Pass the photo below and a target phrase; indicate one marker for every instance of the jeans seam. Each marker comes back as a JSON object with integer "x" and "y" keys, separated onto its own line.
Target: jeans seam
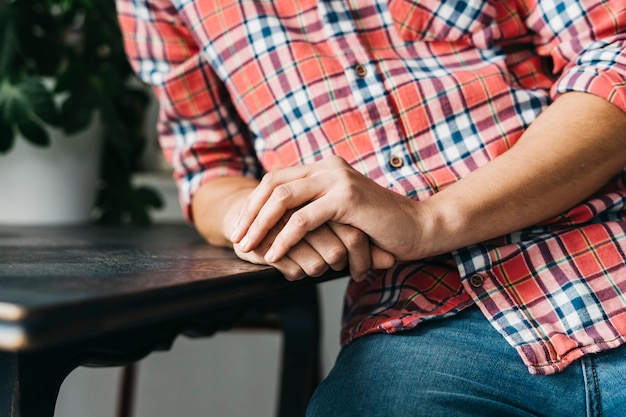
{"x": 592, "y": 388}
{"x": 596, "y": 386}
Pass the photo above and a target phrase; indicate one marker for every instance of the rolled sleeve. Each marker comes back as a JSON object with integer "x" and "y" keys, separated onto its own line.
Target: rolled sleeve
{"x": 585, "y": 41}
{"x": 200, "y": 133}
{"x": 601, "y": 70}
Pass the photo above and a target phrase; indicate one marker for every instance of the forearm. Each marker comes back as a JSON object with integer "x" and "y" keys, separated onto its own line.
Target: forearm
{"x": 571, "y": 150}
{"x": 216, "y": 204}
{"x": 567, "y": 154}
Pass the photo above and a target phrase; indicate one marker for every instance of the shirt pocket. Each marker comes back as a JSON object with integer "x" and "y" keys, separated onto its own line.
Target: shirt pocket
{"x": 442, "y": 20}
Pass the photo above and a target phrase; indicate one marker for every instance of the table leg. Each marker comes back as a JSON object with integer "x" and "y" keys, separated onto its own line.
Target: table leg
{"x": 29, "y": 384}
{"x": 128, "y": 384}
{"x": 300, "y": 372}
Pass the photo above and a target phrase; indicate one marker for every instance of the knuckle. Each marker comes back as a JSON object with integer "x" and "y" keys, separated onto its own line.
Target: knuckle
{"x": 292, "y": 271}
{"x": 337, "y": 255}
{"x": 299, "y": 221}
{"x": 316, "y": 269}
{"x": 281, "y": 193}
{"x": 268, "y": 178}
{"x": 337, "y": 160}
{"x": 354, "y": 238}
{"x": 294, "y": 274}
{"x": 350, "y": 190}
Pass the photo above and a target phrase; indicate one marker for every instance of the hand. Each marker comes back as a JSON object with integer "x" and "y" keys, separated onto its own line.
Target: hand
{"x": 324, "y": 247}
{"x": 216, "y": 205}
{"x": 326, "y": 191}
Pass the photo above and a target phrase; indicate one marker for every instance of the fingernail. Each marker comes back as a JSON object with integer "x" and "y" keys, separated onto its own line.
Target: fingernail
{"x": 243, "y": 245}
{"x": 234, "y": 236}
{"x": 236, "y": 231}
{"x": 269, "y": 256}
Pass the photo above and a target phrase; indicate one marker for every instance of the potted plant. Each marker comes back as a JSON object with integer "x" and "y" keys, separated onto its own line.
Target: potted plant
{"x": 63, "y": 70}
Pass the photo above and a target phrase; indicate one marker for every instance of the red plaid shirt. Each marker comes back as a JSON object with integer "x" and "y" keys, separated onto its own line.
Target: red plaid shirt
{"x": 415, "y": 95}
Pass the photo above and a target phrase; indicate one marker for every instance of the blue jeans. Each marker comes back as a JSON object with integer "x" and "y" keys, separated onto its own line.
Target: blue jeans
{"x": 461, "y": 366}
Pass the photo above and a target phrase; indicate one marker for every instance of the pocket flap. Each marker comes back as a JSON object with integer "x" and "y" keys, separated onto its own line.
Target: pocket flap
{"x": 444, "y": 20}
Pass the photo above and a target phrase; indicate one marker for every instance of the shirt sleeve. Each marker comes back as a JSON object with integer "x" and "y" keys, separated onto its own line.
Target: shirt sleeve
{"x": 200, "y": 132}
{"x": 586, "y": 41}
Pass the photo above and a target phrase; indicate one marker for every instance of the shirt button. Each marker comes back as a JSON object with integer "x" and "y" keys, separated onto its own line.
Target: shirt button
{"x": 360, "y": 70}
{"x": 396, "y": 161}
{"x": 476, "y": 280}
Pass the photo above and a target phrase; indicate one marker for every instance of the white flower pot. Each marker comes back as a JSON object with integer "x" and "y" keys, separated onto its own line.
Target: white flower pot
{"x": 51, "y": 185}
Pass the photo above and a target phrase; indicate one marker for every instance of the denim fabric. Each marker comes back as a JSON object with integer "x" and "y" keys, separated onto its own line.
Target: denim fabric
{"x": 461, "y": 366}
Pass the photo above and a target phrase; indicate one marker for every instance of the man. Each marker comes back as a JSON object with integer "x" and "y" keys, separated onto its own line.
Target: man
{"x": 464, "y": 158}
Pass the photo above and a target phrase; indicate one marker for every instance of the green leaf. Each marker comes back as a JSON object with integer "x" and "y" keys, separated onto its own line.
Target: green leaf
{"x": 40, "y": 100}
{"x": 34, "y": 133}
{"x": 13, "y": 103}
{"x": 27, "y": 103}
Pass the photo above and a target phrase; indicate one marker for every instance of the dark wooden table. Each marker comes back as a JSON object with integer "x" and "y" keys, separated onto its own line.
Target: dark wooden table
{"x": 96, "y": 296}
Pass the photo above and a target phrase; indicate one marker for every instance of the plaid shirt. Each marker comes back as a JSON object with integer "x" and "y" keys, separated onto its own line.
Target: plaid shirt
{"x": 415, "y": 95}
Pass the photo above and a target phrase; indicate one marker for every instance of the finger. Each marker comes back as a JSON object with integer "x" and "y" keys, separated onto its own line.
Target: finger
{"x": 381, "y": 259}
{"x": 308, "y": 259}
{"x": 302, "y": 221}
{"x": 258, "y": 254}
{"x": 267, "y": 240}
{"x": 288, "y": 189}
{"x": 261, "y": 194}
{"x": 358, "y": 247}
{"x": 290, "y": 269}
{"x": 249, "y": 211}
{"x": 286, "y": 197}
{"x": 302, "y": 260}
{"x": 329, "y": 246}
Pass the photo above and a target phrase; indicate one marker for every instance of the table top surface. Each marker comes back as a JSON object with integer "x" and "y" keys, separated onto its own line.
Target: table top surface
{"x": 61, "y": 282}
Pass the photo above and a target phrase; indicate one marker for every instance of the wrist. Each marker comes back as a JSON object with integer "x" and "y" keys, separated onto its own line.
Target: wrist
{"x": 442, "y": 226}
{"x": 428, "y": 236}
{"x": 216, "y": 206}
{"x": 234, "y": 204}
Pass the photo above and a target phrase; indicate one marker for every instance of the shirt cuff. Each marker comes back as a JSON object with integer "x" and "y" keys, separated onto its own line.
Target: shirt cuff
{"x": 608, "y": 84}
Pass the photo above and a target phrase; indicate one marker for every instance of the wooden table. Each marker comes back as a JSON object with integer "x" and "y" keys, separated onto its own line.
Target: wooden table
{"x": 95, "y": 296}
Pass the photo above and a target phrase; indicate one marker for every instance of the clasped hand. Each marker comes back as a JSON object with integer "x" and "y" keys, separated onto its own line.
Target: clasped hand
{"x": 308, "y": 218}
